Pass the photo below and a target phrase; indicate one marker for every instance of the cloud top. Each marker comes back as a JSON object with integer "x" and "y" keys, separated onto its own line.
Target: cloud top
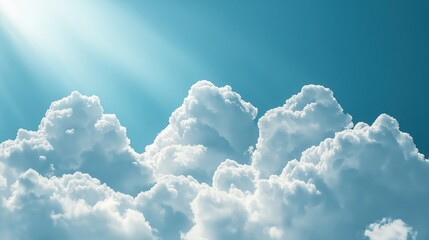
{"x": 303, "y": 170}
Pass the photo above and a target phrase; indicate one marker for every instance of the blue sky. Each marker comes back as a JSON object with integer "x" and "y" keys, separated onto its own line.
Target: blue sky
{"x": 146, "y": 55}
{"x": 214, "y": 120}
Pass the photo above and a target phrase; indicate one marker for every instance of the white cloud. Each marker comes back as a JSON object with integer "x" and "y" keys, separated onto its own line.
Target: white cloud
{"x": 388, "y": 229}
{"x": 304, "y": 120}
{"x": 211, "y": 125}
{"x": 331, "y": 192}
{"x": 261, "y": 215}
{"x": 312, "y": 175}
{"x": 168, "y": 205}
{"x": 75, "y": 135}
{"x": 218, "y": 215}
{"x": 3, "y": 179}
{"x": 70, "y": 207}
{"x": 231, "y": 175}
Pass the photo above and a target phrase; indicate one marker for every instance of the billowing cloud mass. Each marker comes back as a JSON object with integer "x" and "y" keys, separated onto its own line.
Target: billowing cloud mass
{"x": 211, "y": 125}
{"x": 75, "y": 135}
{"x": 388, "y": 229}
{"x": 304, "y": 170}
{"x": 70, "y": 207}
{"x": 304, "y": 120}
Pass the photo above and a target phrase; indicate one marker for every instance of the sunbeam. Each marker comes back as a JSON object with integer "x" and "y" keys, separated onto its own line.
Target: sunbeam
{"x": 73, "y": 44}
{"x": 97, "y": 47}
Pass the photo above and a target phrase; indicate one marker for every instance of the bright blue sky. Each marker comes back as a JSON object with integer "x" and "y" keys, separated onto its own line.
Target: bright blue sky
{"x": 141, "y": 57}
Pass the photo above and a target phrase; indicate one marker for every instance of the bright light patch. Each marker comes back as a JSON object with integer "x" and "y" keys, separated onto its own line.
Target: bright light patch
{"x": 81, "y": 44}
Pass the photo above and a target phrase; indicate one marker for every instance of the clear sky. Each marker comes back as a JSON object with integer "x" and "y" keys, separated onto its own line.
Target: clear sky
{"x": 141, "y": 57}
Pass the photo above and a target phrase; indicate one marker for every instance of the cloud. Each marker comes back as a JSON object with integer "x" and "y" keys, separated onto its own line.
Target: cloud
{"x": 218, "y": 215}
{"x": 250, "y": 216}
{"x": 211, "y": 125}
{"x": 231, "y": 175}
{"x": 167, "y": 205}
{"x": 304, "y": 120}
{"x": 70, "y": 207}
{"x": 362, "y": 174}
{"x": 388, "y": 229}
{"x": 310, "y": 174}
{"x": 75, "y": 135}
{"x": 332, "y": 191}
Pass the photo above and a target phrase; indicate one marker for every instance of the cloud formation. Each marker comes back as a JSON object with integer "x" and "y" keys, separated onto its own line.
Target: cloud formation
{"x": 304, "y": 170}
{"x": 75, "y": 135}
{"x": 211, "y": 125}
{"x": 304, "y": 120}
{"x": 69, "y": 207}
{"x": 346, "y": 181}
{"x": 388, "y": 229}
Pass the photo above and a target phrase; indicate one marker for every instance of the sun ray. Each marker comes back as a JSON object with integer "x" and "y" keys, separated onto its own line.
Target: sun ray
{"x": 81, "y": 43}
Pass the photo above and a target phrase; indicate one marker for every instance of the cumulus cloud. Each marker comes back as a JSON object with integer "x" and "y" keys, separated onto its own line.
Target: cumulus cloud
{"x": 69, "y": 207}
{"x": 218, "y": 215}
{"x": 388, "y": 229}
{"x": 309, "y": 174}
{"x": 304, "y": 120}
{"x": 75, "y": 135}
{"x": 332, "y": 191}
{"x": 167, "y": 205}
{"x": 211, "y": 125}
{"x": 231, "y": 175}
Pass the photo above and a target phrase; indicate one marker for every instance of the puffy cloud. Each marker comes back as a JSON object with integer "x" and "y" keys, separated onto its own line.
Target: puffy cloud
{"x": 80, "y": 207}
{"x": 211, "y": 125}
{"x": 3, "y": 179}
{"x": 218, "y": 215}
{"x": 70, "y": 207}
{"x": 311, "y": 175}
{"x": 167, "y": 205}
{"x": 75, "y": 135}
{"x": 367, "y": 173}
{"x": 332, "y": 191}
{"x": 265, "y": 214}
{"x": 231, "y": 175}
{"x": 304, "y": 120}
{"x": 388, "y": 229}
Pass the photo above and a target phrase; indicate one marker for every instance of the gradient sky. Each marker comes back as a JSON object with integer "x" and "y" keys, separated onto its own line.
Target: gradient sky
{"x": 141, "y": 57}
